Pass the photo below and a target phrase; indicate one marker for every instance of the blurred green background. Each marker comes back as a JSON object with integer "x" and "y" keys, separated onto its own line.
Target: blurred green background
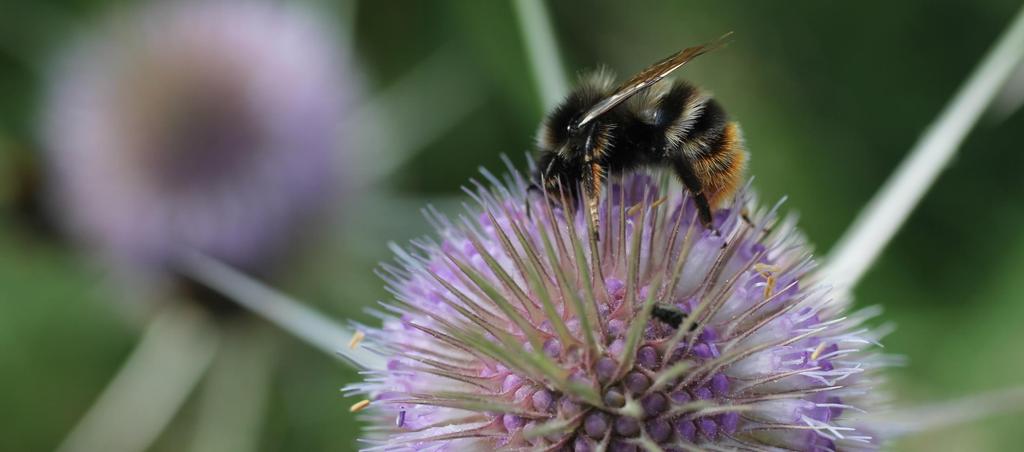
{"x": 830, "y": 95}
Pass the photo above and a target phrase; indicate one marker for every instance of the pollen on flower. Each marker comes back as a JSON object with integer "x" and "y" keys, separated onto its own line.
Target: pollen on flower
{"x": 357, "y": 339}
{"x": 512, "y": 329}
{"x": 817, "y": 351}
{"x": 768, "y": 273}
{"x": 359, "y": 406}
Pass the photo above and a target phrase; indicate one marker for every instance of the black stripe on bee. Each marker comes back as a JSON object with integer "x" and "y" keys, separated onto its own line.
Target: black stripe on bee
{"x": 678, "y": 107}
{"x": 707, "y": 131}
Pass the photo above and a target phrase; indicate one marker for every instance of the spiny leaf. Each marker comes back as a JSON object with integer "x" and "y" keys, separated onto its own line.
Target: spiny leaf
{"x": 637, "y": 327}
{"x": 552, "y": 426}
{"x": 531, "y": 333}
{"x": 586, "y": 328}
{"x": 585, "y": 279}
{"x": 534, "y": 270}
{"x": 666, "y": 376}
{"x": 510, "y": 284}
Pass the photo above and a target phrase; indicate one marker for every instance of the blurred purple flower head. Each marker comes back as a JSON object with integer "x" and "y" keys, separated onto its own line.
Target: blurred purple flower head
{"x": 506, "y": 332}
{"x": 207, "y": 124}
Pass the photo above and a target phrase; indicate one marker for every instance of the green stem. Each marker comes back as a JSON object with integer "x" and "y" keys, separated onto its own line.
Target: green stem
{"x": 234, "y": 395}
{"x": 297, "y": 319}
{"x": 152, "y": 384}
{"x": 879, "y": 221}
{"x": 545, "y": 60}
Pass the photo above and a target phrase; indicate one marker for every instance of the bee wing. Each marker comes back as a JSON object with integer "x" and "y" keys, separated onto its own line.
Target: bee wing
{"x": 650, "y": 76}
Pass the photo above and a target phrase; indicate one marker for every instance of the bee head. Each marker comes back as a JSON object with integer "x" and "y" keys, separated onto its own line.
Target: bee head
{"x": 566, "y": 147}
{"x": 561, "y": 132}
{"x": 557, "y": 175}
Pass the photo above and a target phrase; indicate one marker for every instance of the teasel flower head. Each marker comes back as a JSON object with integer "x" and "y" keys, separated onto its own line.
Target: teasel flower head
{"x": 204, "y": 124}
{"x": 513, "y": 329}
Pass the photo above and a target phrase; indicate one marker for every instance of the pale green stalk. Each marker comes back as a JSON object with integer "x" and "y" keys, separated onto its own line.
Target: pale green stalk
{"x": 934, "y": 416}
{"x": 542, "y": 50}
{"x": 163, "y": 369}
{"x": 879, "y": 221}
{"x": 292, "y": 316}
{"x": 234, "y": 396}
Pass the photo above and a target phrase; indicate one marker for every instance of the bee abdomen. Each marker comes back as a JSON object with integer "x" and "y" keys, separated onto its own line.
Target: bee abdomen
{"x": 699, "y": 127}
{"x": 679, "y": 111}
{"x": 721, "y": 167}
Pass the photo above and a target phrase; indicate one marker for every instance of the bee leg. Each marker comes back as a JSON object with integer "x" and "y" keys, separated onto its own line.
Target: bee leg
{"x": 685, "y": 172}
{"x": 704, "y": 211}
{"x": 592, "y": 208}
{"x": 592, "y": 187}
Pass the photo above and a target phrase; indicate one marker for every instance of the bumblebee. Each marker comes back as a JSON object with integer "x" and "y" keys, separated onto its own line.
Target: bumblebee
{"x": 601, "y": 129}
